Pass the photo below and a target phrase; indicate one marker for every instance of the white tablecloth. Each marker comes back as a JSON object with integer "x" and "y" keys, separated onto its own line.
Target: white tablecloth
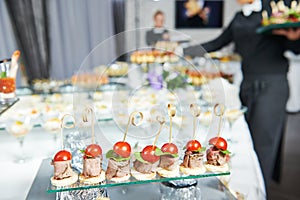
{"x": 16, "y": 179}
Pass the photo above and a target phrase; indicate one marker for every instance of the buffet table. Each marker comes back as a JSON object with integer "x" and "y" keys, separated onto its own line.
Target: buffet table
{"x": 17, "y": 179}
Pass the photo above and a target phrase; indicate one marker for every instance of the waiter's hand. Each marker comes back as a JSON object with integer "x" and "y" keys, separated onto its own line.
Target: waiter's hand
{"x": 291, "y": 34}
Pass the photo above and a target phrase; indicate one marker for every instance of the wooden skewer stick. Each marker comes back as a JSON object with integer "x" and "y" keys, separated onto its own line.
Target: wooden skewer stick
{"x": 131, "y": 120}
{"x": 195, "y": 110}
{"x": 219, "y": 110}
{"x": 171, "y": 112}
{"x": 62, "y": 126}
{"x": 161, "y": 120}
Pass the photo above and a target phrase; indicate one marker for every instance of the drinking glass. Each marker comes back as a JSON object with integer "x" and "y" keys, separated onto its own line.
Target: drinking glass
{"x": 205, "y": 119}
{"x": 19, "y": 129}
{"x": 7, "y": 82}
{"x": 231, "y": 115}
{"x": 52, "y": 124}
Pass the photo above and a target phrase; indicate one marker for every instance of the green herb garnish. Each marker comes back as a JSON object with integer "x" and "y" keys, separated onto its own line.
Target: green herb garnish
{"x": 111, "y": 154}
{"x": 159, "y": 152}
{"x": 138, "y": 156}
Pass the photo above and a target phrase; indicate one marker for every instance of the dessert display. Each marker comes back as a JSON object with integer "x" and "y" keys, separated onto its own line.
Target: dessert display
{"x": 193, "y": 156}
{"x": 89, "y": 80}
{"x": 19, "y": 128}
{"x": 52, "y": 124}
{"x": 117, "y": 69}
{"x": 46, "y": 85}
{"x": 168, "y": 164}
{"x": 63, "y": 173}
{"x": 200, "y": 77}
{"x": 153, "y": 56}
{"x": 118, "y": 168}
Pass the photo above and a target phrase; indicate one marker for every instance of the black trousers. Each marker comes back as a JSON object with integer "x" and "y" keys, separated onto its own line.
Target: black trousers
{"x": 266, "y": 97}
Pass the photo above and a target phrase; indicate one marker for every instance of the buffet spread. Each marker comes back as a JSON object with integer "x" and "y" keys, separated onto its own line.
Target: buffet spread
{"x": 175, "y": 98}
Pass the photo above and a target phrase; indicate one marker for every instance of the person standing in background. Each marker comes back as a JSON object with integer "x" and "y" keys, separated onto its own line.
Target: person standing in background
{"x": 264, "y": 89}
{"x": 158, "y": 33}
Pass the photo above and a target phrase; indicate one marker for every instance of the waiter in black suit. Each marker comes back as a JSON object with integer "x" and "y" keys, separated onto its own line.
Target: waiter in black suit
{"x": 264, "y": 89}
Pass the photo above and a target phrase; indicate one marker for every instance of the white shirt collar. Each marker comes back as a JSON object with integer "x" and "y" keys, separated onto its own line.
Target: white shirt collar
{"x": 253, "y": 7}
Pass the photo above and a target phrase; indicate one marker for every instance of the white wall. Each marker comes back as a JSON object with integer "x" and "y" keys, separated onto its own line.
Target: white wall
{"x": 148, "y": 7}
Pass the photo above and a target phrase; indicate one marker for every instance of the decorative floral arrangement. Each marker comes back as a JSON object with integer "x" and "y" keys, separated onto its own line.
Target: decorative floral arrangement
{"x": 170, "y": 79}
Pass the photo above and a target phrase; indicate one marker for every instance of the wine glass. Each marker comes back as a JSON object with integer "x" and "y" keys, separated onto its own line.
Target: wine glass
{"x": 19, "y": 129}
{"x": 205, "y": 118}
{"x": 52, "y": 124}
{"x": 231, "y": 115}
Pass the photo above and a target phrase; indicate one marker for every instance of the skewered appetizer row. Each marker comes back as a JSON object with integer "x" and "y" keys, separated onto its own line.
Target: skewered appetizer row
{"x": 147, "y": 163}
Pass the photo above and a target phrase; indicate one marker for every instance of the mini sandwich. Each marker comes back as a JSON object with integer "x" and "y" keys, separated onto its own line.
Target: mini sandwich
{"x": 92, "y": 165}
{"x": 145, "y": 165}
{"x": 63, "y": 173}
{"x": 193, "y": 159}
{"x": 168, "y": 164}
{"x": 217, "y": 155}
{"x": 118, "y": 168}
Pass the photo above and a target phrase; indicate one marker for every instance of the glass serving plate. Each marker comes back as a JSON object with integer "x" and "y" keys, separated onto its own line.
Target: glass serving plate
{"x": 132, "y": 181}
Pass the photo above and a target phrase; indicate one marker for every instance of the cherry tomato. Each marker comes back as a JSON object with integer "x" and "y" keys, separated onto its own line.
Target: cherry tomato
{"x": 193, "y": 145}
{"x": 148, "y": 154}
{"x": 219, "y": 143}
{"x": 63, "y": 155}
{"x": 170, "y": 148}
{"x": 93, "y": 150}
{"x": 123, "y": 149}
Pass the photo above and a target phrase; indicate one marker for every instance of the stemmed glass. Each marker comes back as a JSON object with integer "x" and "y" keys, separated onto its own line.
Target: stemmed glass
{"x": 19, "y": 129}
{"x": 205, "y": 119}
{"x": 52, "y": 124}
{"x": 231, "y": 115}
